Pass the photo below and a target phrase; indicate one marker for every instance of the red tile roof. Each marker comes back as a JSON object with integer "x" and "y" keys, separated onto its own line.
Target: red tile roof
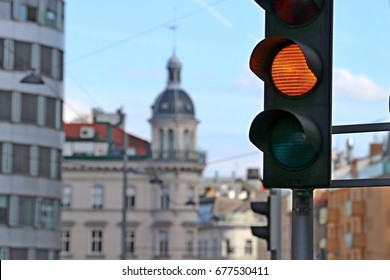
{"x": 72, "y": 132}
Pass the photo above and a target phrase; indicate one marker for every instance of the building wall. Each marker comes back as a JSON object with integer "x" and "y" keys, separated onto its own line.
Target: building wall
{"x": 377, "y": 223}
{"x": 30, "y": 128}
{"x": 148, "y": 219}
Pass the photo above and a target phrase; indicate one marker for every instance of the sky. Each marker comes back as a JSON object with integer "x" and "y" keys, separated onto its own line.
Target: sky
{"x": 116, "y": 54}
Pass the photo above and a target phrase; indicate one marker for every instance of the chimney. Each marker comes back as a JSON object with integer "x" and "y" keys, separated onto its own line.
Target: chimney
{"x": 354, "y": 168}
{"x": 375, "y": 149}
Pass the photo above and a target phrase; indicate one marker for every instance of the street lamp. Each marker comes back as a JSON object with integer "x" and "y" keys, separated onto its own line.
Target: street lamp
{"x": 32, "y": 78}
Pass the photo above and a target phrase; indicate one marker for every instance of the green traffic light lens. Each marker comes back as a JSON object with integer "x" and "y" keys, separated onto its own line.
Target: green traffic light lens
{"x": 289, "y": 145}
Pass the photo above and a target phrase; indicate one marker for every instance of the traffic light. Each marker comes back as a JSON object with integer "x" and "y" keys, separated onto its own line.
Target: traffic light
{"x": 272, "y": 231}
{"x": 295, "y": 63}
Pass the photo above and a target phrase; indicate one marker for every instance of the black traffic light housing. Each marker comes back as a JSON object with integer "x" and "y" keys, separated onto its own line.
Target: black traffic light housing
{"x": 271, "y": 232}
{"x": 295, "y": 63}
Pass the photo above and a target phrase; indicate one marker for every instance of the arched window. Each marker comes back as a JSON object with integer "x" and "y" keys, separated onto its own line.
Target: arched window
{"x": 170, "y": 144}
{"x": 187, "y": 140}
{"x": 161, "y": 142}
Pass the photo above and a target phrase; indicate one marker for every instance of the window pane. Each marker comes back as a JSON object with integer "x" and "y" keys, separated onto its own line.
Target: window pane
{"x": 5, "y": 10}
{"x": 66, "y": 197}
{"x": 1, "y": 48}
{"x": 21, "y": 157}
{"x": 46, "y": 214}
{"x": 44, "y": 162}
{"x": 50, "y": 118}
{"x": 97, "y": 240}
{"x": 65, "y": 242}
{"x": 46, "y": 61}
{"x": 29, "y": 108}
{"x": 97, "y": 197}
{"x": 26, "y": 211}
{"x": 5, "y": 105}
{"x": 3, "y": 209}
{"x": 18, "y": 254}
{"x": 22, "y": 56}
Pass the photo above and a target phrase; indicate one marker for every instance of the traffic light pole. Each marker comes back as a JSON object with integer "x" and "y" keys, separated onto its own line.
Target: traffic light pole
{"x": 302, "y": 225}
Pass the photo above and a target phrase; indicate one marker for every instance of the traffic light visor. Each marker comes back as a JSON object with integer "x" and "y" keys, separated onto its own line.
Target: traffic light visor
{"x": 291, "y": 67}
{"x": 290, "y": 72}
{"x": 296, "y": 12}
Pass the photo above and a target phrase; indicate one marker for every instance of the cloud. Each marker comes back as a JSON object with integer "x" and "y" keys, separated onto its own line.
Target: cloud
{"x": 74, "y": 109}
{"x": 358, "y": 86}
{"x": 214, "y": 13}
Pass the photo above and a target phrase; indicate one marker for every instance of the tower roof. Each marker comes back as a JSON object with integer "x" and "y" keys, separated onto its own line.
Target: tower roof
{"x": 173, "y": 102}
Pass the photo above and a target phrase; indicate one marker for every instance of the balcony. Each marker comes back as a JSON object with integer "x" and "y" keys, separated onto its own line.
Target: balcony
{"x": 180, "y": 155}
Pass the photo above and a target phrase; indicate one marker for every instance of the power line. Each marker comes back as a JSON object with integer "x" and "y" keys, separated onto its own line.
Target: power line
{"x": 135, "y": 36}
{"x": 233, "y": 157}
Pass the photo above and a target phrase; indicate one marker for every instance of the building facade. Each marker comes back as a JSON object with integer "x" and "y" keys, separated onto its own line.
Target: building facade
{"x": 161, "y": 183}
{"x": 225, "y": 218}
{"x": 31, "y": 38}
{"x": 358, "y": 219}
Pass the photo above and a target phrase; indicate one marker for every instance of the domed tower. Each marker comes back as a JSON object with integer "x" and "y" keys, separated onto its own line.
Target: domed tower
{"x": 173, "y": 121}
{"x": 175, "y": 170}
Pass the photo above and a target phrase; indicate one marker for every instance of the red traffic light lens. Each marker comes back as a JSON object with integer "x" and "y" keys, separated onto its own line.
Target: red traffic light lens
{"x": 290, "y": 72}
{"x": 295, "y": 12}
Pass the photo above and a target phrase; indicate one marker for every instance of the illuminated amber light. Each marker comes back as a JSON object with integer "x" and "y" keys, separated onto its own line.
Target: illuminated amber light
{"x": 290, "y": 72}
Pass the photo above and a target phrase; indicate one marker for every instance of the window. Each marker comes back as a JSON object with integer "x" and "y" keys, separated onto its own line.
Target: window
{"x": 130, "y": 197}
{"x": 4, "y": 251}
{"x": 187, "y": 142}
{"x": 248, "y": 247}
{"x": 46, "y": 61}
{"x": 44, "y": 162}
{"x": 190, "y": 195}
{"x": 26, "y": 215}
{"x": 65, "y": 242}
{"x": 29, "y": 108}
{"x": 228, "y": 248}
{"x": 348, "y": 208}
{"x": 170, "y": 144}
{"x": 47, "y": 213}
{"x": 323, "y": 215}
{"x": 97, "y": 197}
{"x": 22, "y": 56}
{"x": 130, "y": 243}
{"x": 1, "y": 49}
{"x": 21, "y": 159}
{"x": 4, "y": 209}
{"x": 163, "y": 243}
{"x": 66, "y": 197}
{"x": 5, "y": 10}
{"x": 97, "y": 242}
{"x": 164, "y": 199}
{"x": 18, "y": 254}
{"x": 28, "y": 13}
{"x": 161, "y": 138}
{"x": 51, "y": 13}
{"x": 348, "y": 239}
{"x": 6, "y": 157}
{"x": 189, "y": 243}
{"x": 5, "y": 105}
